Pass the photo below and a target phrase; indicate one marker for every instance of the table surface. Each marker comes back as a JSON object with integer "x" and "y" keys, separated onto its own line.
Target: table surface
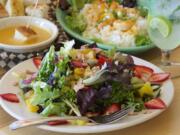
{"x": 165, "y": 124}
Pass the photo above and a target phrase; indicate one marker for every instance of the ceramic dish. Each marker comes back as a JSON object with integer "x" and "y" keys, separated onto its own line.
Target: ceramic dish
{"x": 19, "y": 111}
{"x": 24, "y": 20}
{"x": 60, "y": 15}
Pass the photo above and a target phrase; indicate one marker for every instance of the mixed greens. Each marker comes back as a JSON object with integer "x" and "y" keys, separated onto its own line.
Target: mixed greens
{"x": 89, "y": 80}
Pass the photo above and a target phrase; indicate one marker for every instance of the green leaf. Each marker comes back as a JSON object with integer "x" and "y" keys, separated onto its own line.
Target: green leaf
{"x": 68, "y": 93}
{"x": 76, "y": 22}
{"x": 59, "y": 109}
{"x": 47, "y": 66}
{"x": 43, "y": 92}
{"x": 142, "y": 40}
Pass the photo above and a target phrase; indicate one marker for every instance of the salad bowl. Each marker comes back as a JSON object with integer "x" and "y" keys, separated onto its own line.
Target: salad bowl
{"x": 62, "y": 16}
{"x": 19, "y": 107}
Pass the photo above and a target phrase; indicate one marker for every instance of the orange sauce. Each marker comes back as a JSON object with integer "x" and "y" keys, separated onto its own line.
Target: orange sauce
{"x": 7, "y": 36}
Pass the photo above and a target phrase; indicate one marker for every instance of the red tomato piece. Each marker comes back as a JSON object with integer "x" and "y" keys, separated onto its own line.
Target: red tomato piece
{"x": 102, "y": 59}
{"x": 159, "y": 77}
{"x": 156, "y": 103}
{"x": 112, "y": 108}
{"x": 10, "y": 97}
{"x": 37, "y": 61}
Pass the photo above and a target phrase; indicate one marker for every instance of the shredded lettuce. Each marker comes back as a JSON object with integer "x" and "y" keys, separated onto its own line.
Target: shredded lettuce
{"x": 142, "y": 40}
{"x": 76, "y": 21}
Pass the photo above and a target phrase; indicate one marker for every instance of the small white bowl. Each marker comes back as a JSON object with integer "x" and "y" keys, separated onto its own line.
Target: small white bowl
{"x": 23, "y": 20}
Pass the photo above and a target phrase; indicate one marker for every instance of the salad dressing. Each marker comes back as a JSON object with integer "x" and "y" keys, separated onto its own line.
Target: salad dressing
{"x": 42, "y": 35}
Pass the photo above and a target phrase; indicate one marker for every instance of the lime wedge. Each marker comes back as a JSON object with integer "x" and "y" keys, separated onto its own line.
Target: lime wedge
{"x": 162, "y": 24}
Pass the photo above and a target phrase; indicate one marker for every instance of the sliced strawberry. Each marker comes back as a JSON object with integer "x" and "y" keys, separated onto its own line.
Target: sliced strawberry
{"x": 159, "y": 77}
{"x": 156, "y": 103}
{"x": 57, "y": 122}
{"x": 102, "y": 59}
{"x": 78, "y": 64}
{"x": 112, "y": 108}
{"x": 10, "y": 97}
{"x": 37, "y": 61}
{"x": 143, "y": 72}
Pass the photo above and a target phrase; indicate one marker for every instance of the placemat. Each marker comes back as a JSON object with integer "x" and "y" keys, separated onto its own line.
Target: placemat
{"x": 9, "y": 59}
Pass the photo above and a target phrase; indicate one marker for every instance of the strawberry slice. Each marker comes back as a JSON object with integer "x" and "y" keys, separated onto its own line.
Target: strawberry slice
{"x": 57, "y": 122}
{"x": 143, "y": 72}
{"x": 10, "y": 97}
{"x": 78, "y": 64}
{"x": 37, "y": 61}
{"x": 159, "y": 77}
{"x": 156, "y": 103}
{"x": 112, "y": 108}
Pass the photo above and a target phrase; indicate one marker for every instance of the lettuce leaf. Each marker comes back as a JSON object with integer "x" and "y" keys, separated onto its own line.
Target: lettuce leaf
{"x": 142, "y": 40}
{"x": 43, "y": 92}
{"x": 76, "y": 22}
{"x": 59, "y": 109}
{"x": 47, "y": 66}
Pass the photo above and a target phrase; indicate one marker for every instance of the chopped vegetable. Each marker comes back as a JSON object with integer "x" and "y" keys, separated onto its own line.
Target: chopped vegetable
{"x": 146, "y": 90}
{"x": 112, "y": 109}
{"x": 10, "y": 97}
{"x": 156, "y": 103}
{"x": 37, "y": 61}
{"x": 143, "y": 72}
{"x": 159, "y": 77}
{"x": 57, "y": 122}
{"x": 31, "y": 107}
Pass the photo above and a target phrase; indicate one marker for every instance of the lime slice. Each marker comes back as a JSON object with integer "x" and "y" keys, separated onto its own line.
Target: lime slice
{"x": 162, "y": 24}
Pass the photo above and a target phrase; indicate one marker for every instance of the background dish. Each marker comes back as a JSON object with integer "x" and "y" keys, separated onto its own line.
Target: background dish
{"x": 19, "y": 111}
{"x": 23, "y": 20}
{"x": 60, "y": 15}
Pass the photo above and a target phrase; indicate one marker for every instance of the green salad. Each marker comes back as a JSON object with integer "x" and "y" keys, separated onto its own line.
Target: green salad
{"x": 79, "y": 82}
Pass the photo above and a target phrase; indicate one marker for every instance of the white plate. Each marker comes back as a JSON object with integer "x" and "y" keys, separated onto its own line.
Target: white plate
{"x": 19, "y": 111}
